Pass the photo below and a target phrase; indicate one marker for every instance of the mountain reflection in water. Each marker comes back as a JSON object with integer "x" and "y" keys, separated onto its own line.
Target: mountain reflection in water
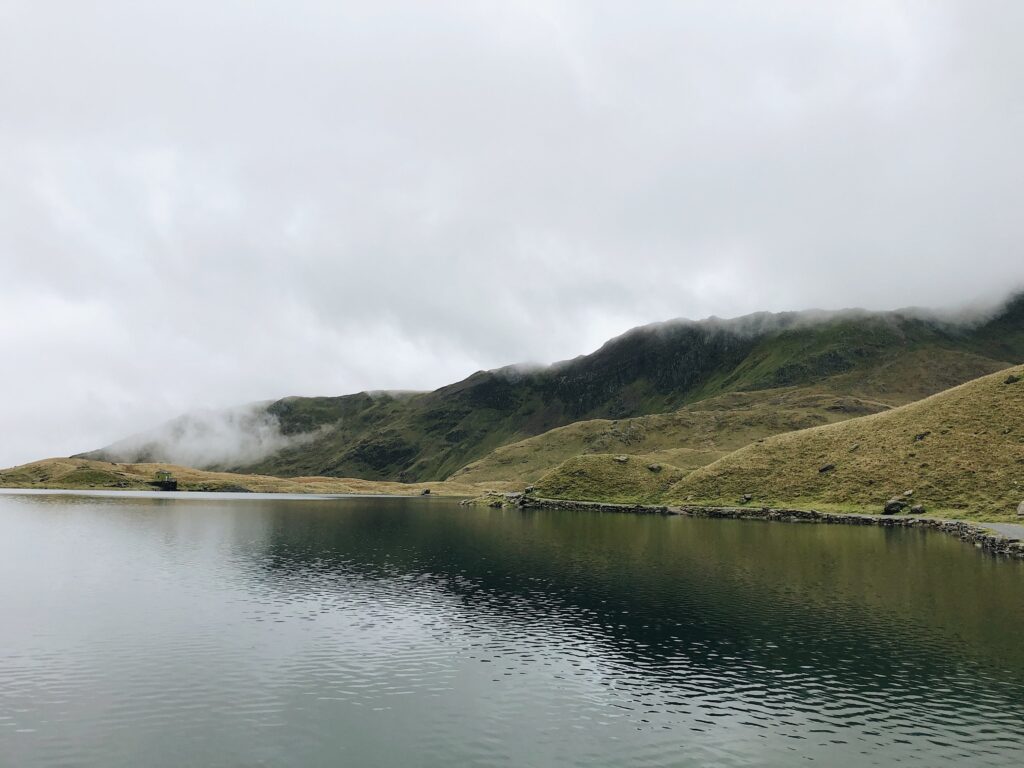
{"x": 417, "y": 632}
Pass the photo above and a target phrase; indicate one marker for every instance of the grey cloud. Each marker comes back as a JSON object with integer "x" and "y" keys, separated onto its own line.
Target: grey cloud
{"x": 205, "y": 204}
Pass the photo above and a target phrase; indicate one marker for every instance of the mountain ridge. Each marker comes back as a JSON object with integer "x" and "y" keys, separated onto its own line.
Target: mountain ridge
{"x": 894, "y": 357}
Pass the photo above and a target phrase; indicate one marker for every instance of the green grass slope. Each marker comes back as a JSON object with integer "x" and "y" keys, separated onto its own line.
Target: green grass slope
{"x": 616, "y": 479}
{"x": 960, "y": 452}
{"x": 691, "y": 437}
{"x": 84, "y": 474}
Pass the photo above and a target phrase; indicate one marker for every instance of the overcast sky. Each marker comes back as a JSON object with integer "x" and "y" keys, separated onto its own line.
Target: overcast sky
{"x": 204, "y": 203}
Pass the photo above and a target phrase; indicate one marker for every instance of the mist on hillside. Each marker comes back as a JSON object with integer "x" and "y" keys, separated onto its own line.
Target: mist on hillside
{"x": 968, "y": 314}
{"x": 206, "y": 439}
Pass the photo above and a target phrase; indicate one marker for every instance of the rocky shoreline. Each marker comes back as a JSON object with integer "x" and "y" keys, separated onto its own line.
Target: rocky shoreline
{"x": 973, "y": 533}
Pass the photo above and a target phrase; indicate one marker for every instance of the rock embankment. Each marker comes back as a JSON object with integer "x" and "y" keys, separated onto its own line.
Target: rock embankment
{"x": 498, "y": 500}
{"x": 991, "y": 541}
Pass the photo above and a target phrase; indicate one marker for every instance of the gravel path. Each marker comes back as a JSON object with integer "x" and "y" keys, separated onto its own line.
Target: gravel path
{"x": 1010, "y": 530}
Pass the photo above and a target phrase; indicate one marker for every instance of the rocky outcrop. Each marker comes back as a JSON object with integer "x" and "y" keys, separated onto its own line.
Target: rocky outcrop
{"x": 593, "y": 506}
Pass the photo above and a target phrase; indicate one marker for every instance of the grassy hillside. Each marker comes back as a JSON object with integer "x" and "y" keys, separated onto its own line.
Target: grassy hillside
{"x": 82, "y": 474}
{"x": 961, "y": 452}
{"x": 892, "y": 358}
{"x": 691, "y": 437}
{"x": 616, "y": 479}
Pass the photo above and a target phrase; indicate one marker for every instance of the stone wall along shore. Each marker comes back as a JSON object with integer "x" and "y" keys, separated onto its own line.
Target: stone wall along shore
{"x": 974, "y": 533}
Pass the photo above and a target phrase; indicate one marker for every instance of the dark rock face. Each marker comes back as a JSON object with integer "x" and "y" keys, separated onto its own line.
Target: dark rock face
{"x": 917, "y": 509}
{"x": 894, "y": 506}
{"x": 672, "y": 358}
{"x": 383, "y": 449}
{"x": 1011, "y": 379}
{"x": 827, "y": 468}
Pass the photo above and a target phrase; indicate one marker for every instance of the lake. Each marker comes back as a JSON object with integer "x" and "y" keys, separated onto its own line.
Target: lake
{"x": 189, "y": 630}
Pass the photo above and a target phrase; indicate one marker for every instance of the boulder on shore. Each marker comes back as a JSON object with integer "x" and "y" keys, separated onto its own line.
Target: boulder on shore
{"x": 894, "y": 505}
{"x": 1020, "y": 509}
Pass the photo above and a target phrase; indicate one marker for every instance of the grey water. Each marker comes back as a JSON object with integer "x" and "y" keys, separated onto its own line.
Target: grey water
{"x": 180, "y": 631}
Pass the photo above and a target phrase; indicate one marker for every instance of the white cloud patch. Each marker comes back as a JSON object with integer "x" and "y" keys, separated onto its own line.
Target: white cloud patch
{"x": 209, "y": 439}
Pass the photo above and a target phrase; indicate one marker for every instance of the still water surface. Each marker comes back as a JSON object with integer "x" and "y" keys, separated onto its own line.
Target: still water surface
{"x": 412, "y": 632}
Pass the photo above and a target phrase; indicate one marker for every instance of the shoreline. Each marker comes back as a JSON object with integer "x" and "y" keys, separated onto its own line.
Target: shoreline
{"x": 1001, "y": 539}
{"x": 216, "y": 495}
{"x": 59, "y": 474}
{"x": 989, "y": 540}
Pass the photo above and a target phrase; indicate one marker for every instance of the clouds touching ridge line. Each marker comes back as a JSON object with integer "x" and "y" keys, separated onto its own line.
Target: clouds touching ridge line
{"x": 211, "y": 204}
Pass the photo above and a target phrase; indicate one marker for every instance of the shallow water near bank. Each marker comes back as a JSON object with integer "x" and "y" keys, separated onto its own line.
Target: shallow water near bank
{"x": 163, "y": 631}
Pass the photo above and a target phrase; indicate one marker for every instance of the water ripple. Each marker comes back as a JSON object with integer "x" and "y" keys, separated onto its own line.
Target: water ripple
{"x": 391, "y": 632}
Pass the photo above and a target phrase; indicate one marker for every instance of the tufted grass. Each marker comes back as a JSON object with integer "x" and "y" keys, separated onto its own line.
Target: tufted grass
{"x": 961, "y": 452}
